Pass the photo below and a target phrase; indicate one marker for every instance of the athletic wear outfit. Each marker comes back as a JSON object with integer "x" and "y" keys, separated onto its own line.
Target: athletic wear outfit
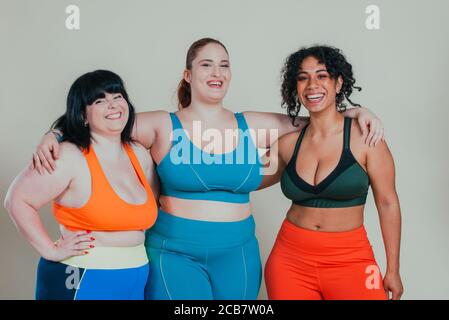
{"x": 196, "y": 259}
{"x": 307, "y": 264}
{"x": 105, "y": 272}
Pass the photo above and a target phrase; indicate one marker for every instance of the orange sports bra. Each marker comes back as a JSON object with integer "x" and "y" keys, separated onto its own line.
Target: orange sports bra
{"x": 105, "y": 210}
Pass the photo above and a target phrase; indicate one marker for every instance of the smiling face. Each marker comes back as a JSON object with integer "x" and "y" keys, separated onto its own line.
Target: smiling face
{"x": 316, "y": 89}
{"x": 210, "y": 74}
{"x": 108, "y": 115}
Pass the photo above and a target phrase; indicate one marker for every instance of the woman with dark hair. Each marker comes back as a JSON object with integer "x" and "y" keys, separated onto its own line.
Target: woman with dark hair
{"x": 322, "y": 250}
{"x": 203, "y": 244}
{"x": 101, "y": 198}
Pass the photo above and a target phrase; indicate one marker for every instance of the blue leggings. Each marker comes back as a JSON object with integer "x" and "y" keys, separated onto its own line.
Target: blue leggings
{"x": 202, "y": 260}
{"x": 58, "y": 281}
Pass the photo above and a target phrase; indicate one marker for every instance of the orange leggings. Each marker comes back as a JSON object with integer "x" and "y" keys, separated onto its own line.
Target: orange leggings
{"x": 314, "y": 265}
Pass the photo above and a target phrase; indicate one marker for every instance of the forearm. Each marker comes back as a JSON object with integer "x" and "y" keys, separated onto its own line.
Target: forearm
{"x": 390, "y": 222}
{"x": 29, "y": 224}
{"x": 269, "y": 179}
{"x": 272, "y": 167}
{"x": 287, "y": 125}
{"x": 353, "y": 113}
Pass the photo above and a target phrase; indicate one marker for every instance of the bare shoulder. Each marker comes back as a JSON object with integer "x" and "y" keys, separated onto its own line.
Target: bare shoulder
{"x": 70, "y": 164}
{"x": 286, "y": 145}
{"x": 364, "y": 153}
{"x": 357, "y": 138}
{"x": 250, "y": 114}
{"x": 288, "y": 139}
{"x": 69, "y": 153}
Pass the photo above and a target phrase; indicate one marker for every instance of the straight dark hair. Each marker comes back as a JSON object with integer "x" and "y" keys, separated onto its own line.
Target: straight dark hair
{"x": 83, "y": 92}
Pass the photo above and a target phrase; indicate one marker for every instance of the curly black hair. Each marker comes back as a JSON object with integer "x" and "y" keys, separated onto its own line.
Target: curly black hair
{"x": 336, "y": 65}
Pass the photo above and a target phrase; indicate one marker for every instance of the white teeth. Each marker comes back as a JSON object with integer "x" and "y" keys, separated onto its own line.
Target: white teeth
{"x": 114, "y": 116}
{"x": 315, "y": 96}
{"x": 215, "y": 83}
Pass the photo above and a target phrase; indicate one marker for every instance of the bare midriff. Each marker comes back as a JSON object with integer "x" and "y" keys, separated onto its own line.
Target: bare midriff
{"x": 326, "y": 219}
{"x": 205, "y": 210}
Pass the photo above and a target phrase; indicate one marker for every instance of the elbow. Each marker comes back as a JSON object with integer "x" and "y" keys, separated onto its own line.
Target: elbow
{"x": 12, "y": 203}
{"x": 388, "y": 204}
{"x": 9, "y": 202}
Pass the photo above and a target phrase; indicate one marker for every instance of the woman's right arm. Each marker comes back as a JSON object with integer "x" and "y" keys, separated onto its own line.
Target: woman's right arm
{"x": 145, "y": 129}
{"x": 274, "y": 161}
{"x": 27, "y": 194}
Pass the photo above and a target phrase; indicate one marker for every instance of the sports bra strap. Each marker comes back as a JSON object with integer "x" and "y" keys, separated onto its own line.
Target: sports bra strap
{"x": 347, "y": 133}
{"x": 175, "y": 121}
{"x": 298, "y": 142}
{"x": 241, "y": 122}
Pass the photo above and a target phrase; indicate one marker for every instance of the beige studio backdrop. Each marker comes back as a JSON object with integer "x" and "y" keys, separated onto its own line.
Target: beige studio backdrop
{"x": 402, "y": 66}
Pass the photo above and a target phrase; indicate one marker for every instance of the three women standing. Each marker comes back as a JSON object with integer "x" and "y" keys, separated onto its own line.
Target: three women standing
{"x": 203, "y": 243}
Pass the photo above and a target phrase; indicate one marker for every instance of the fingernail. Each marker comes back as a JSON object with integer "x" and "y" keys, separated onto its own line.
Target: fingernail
{"x": 86, "y": 252}
{"x": 92, "y": 239}
{"x": 88, "y": 231}
{"x": 91, "y": 246}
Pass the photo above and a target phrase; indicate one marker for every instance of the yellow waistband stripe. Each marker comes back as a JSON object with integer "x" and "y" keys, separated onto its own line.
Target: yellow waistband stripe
{"x": 110, "y": 258}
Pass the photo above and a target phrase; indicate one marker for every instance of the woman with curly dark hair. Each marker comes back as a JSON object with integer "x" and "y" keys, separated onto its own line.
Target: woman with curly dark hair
{"x": 322, "y": 250}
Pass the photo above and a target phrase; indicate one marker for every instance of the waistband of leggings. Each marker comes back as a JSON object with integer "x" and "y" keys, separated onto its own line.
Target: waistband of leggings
{"x": 321, "y": 241}
{"x": 203, "y": 233}
{"x": 110, "y": 258}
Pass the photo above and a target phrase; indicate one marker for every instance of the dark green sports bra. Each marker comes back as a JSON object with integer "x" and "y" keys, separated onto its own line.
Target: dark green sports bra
{"x": 346, "y": 186}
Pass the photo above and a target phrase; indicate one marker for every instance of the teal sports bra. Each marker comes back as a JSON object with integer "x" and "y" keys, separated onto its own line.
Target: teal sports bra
{"x": 346, "y": 186}
{"x": 188, "y": 172}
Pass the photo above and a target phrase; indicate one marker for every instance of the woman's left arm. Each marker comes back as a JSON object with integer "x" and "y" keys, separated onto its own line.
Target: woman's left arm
{"x": 380, "y": 167}
{"x": 371, "y": 126}
{"x": 270, "y": 126}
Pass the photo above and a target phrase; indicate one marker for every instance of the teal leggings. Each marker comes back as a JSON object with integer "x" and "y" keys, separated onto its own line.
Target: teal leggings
{"x": 201, "y": 260}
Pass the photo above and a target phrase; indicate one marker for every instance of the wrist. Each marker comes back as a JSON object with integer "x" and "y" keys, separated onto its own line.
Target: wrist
{"x": 57, "y": 133}
{"x": 361, "y": 110}
{"x": 393, "y": 271}
{"x": 49, "y": 253}
{"x": 353, "y": 113}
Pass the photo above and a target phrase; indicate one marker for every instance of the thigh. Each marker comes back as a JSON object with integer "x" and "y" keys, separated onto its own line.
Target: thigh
{"x": 235, "y": 272}
{"x": 176, "y": 276}
{"x": 57, "y": 281}
{"x": 289, "y": 277}
{"x": 354, "y": 281}
{"x": 115, "y": 284}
